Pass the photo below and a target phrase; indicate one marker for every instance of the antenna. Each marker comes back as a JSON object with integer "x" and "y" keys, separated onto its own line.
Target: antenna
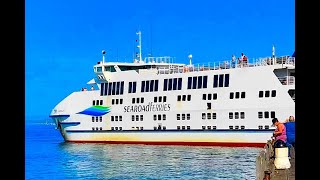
{"x": 103, "y": 53}
{"x": 139, "y": 46}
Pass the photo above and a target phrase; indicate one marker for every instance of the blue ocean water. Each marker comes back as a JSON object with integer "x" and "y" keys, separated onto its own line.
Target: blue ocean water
{"x": 47, "y": 156}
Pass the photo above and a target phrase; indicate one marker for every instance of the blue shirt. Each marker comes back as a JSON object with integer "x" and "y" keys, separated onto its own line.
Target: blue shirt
{"x": 290, "y": 128}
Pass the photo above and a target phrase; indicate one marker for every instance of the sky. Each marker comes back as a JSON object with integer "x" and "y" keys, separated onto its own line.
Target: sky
{"x": 64, "y": 39}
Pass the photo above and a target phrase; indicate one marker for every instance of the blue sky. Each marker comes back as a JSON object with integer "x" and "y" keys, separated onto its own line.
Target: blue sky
{"x": 64, "y": 39}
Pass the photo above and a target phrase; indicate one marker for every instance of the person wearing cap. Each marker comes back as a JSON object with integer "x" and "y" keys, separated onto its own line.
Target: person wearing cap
{"x": 280, "y": 132}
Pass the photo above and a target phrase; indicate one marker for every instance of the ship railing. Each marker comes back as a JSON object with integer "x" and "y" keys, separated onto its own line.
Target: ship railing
{"x": 227, "y": 64}
{"x": 287, "y": 80}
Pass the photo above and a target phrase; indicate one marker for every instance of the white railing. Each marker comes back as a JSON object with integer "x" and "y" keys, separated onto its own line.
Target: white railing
{"x": 287, "y": 80}
{"x": 228, "y": 64}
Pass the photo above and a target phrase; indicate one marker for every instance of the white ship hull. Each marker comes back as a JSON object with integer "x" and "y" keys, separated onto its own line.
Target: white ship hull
{"x": 159, "y": 102}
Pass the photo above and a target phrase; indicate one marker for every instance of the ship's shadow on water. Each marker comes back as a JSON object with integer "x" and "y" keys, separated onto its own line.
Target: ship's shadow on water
{"x": 120, "y": 161}
{"x": 49, "y": 157}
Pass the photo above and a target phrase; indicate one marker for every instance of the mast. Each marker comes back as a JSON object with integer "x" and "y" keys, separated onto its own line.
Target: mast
{"x": 139, "y": 56}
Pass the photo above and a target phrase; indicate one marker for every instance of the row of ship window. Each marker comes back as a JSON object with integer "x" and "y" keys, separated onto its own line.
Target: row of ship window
{"x": 232, "y": 115}
{"x": 183, "y": 128}
{"x": 195, "y": 82}
{"x": 213, "y": 96}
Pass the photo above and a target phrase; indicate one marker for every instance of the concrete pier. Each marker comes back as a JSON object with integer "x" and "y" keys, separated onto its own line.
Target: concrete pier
{"x": 265, "y": 168}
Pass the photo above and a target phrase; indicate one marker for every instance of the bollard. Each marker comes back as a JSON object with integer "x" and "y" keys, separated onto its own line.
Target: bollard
{"x": 281, "y": 160}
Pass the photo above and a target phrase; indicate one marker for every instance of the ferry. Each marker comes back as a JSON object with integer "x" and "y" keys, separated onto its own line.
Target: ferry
{"x": 160, "y": 102}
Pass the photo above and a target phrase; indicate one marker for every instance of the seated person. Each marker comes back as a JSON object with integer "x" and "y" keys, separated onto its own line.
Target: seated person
{"x": 290, "y": 130}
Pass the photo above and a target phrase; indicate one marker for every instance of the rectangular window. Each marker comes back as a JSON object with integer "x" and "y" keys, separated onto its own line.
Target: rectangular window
{"x": 97, "y": 102}
{"x": 178, "y": 116}
{"x": 130, "y": 87}
{"x": 189, "y": 82}
{"x": 155, "y": 99}
{"x": 273, "y": 93}
{"x": 175, "y": 83}
{"x": 205, "y": 82}
{"x": 133, "y": 100}
{"x": 179, "y": 83}
{"x": 230, "y": 115}
{"x": 109, "y": 88}
{"x": 138, "y": 100}
{"x": 170, "y": 85}
{"x": 231, "y": 95}
{"x": 242, "y": 115}
{"x": 141, "y": 117}
{"x": 209, "y": 96}
{"x": 147, "y": 86}
{"x": 221, "y": 80}
{"x": 214, "y": 115}
{"x": 154, "y": 117}
{"x": 194, "y": 82}
{"x": 156, "y": 85}
{"x": 164, "y": 98}
{"x": 266, "y": 114}
{"x": 189, "y": 97}
{"x": 260, "y": 115}
{"x": 159, "y": 117}
{"x": 236, "y": 127}
{"x": 120, "y": 118}
{"x": 112, "y": 118}
{"x": 204, "y": 96}
{"x": 203, "y": 127}
{"x": 112, "y": 101}
{"x": 214, "y": 96}
{"x": 267, "y": 94}
{"x": 208, "y": 115}
{"x": 230, "y": 127}
{"x": 188, "y": 116}
{"x": 121, "y": 101}
{"x": 179, "y": 98}
{"x": 137, "y": 117}
{"x": 226, "y": 80}
{"x": 164, "y": 117}
{"x": 142, "y": 100}
{"x": 183, "y": 97}
{"x": 178, "y": 127}
{"x": 183, "y": 116}
{"x": 93, "y": 102}
{"x": 105, "y": 89}
{"x": 101, "y": 102}
{"x": 116, "y": 118}
{"x": 266, "y": 127}
{"x": 208, "y": 106}
{"x": 237, "y": 95}
{"x": 143, "y": 86}
{"x": 214, "y": 127}
{"x": 273, "y": 114}
{"x": 199, "y": 82}
{"x": 203, "y": 115}
{"x": 160, "y": 98}
{"x": 132, "y": 117}
{"x": 183, "y": 127}
{"x": 188, "y": 127}
{"x": 243, "y": 94}
{"x": 118, "y": 88}
{"x": 134, "y": 87}
{"x": 114, "y": 88}
{"x": 151, "y": 85}
{"x": 260, "y": 94}
{"x": 236, "y": 115}
{"x": 121, "y": 87}
{"x": 215, "y": 81}
{"x": 92, "y": 118}
{"x": 165, "y": 84}
{"x": 242, "y": 127}
{"x": 117, "y": 101}
{"x": 209, "y": 127}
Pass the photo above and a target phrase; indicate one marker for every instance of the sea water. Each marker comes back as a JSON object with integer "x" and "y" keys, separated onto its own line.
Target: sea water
{"x": 47, "y": 156}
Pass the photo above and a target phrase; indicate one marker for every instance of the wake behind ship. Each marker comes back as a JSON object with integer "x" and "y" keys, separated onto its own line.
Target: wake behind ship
{"x": 157, "y": 101}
